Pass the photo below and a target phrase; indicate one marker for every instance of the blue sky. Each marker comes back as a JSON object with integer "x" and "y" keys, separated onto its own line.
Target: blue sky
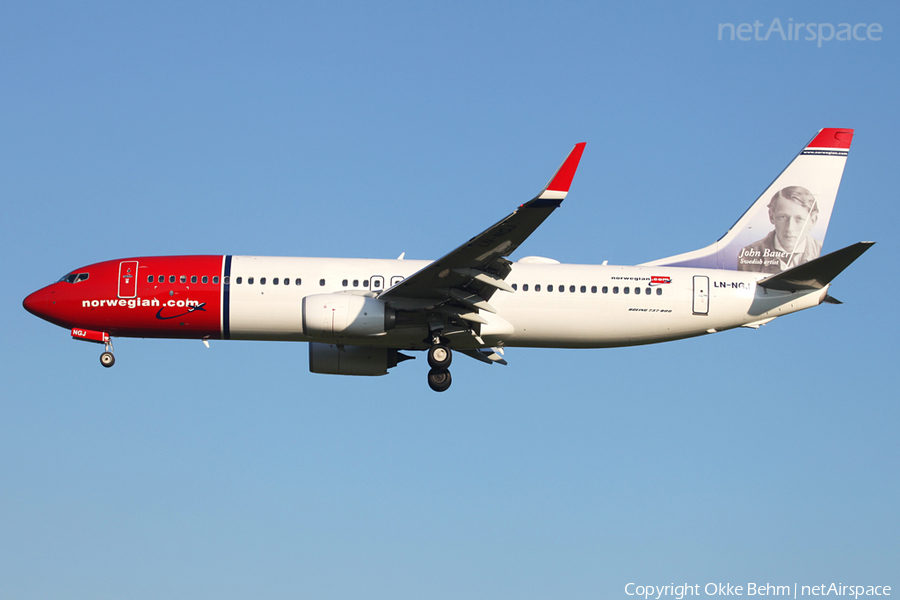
{"x": 359, "y": 129}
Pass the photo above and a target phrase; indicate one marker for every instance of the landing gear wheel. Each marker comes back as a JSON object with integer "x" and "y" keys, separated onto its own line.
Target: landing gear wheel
{"x": 439, "y": 379}
{"x": 439, "y": 357}
{"x": 107, "y": 359}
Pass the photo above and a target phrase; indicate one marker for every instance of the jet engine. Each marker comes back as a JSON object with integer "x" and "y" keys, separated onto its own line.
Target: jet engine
{"x": 331, "y": 359}
{"x": 345, "y": 315}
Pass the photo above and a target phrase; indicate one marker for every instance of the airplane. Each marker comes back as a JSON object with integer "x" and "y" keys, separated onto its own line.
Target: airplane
{"x": 360, "y": 315}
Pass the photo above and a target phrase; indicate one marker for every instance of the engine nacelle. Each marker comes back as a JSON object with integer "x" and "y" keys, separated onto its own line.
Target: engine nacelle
{"x": 352, "y": 360}
{"x": 345, "y": 315}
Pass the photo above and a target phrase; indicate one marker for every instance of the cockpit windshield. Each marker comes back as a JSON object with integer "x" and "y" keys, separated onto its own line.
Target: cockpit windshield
{"x": 74, "y": 277}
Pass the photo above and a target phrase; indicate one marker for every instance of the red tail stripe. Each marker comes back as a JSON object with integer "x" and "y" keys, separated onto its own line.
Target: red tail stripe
{"x": 832, "y": 138}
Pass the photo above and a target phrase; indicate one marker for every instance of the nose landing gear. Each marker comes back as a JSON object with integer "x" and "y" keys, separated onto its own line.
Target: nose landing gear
{"x": 107, "y": 359}
{"x": 98, "y": 337}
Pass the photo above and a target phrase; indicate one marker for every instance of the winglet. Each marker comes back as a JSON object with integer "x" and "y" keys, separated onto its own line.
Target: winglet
{"x": 562, "y": 179}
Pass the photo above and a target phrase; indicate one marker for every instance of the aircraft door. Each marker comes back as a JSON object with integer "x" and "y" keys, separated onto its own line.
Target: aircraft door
{"x": 128, "y": 270}
{"x": 376, "y": 283}
{"x": 396, "y": 279}
{"x": 701, "y": 295}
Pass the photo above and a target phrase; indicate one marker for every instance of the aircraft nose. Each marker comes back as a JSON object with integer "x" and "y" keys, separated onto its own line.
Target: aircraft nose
{"x": 37, "y": 303}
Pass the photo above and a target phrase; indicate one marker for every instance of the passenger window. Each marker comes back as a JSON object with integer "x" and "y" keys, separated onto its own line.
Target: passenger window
{"x": 615, "y": 289}
{"x": 365, "y": 283}
{"x": 322, "y": 282}
{"x": 549, "y": 288}
{"x": 216, "y": 279}
{"x": 249, "y": 281}
{"x": 262, "y": 281}
{"x": 171, "y": 279}
{"x": 161, "y": 279}
{"x": 659, "y": 291}
{"x": 150, "y": 279}
{"x": 637, "y": 290}
{"x": 537, "y": 287}
{"x": 515, "y": 286}
{"x": 287, "y": 281}
{"x": 238, "y": 281}
{"x": 524, "y": 287}
{"x": 205, "y": 279}
{"x": 594, "y": 289}
{"x": 345, "y": 283}
{"x": 378, "y": 283}
{"x": 627, "y": 289}
{"x": 297, "y": 281}
{"x": 648, "y": 291}
{"x": 193, "y": 279}
{"x": 572, "y": 288}
{"x": 183, "y": 279}
{"x": 356, "y": 283}
{"x": 605, "y": 290}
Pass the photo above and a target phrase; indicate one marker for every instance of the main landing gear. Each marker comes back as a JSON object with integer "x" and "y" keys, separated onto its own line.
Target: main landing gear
{"x": 439, "y": 358}
{"x": 439, "y": 379}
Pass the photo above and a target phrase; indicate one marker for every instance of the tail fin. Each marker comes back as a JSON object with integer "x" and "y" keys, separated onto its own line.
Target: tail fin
{"x": 786, "y": 226}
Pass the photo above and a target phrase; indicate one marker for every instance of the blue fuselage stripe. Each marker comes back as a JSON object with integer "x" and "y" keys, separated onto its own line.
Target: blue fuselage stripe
{"x": 226, "y": 300}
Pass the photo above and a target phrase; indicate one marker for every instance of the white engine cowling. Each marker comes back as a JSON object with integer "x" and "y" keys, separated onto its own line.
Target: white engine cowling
{"x": 345, "y": 315}
{"x": 352, "y": 360}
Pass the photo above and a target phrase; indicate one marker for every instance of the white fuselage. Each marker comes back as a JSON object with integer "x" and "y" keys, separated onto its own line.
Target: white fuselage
{"x": 554, "y": 305}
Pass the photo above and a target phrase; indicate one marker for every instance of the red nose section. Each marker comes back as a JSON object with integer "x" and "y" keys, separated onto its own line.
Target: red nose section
{"x": 37, "y": 303}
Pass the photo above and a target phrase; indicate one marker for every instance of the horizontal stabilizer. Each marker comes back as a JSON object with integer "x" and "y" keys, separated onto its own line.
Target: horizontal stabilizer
{"x": 817, "y": 273}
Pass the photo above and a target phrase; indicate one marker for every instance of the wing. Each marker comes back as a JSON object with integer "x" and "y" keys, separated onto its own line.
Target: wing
{"x": 467, "y": 277}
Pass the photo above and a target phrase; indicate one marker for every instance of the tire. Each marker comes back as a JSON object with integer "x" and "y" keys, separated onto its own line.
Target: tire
{"x": 107, "y": 359}
{"x": 439, "y": 357}
{"x": 439, "y": 379}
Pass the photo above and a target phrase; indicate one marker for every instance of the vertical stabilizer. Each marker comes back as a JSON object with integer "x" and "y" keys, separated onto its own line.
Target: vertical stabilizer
{"x": 786, "y": 225}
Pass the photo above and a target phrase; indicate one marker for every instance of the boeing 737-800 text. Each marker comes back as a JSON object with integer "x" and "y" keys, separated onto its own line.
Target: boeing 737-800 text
{"x": 359, "y": 314}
